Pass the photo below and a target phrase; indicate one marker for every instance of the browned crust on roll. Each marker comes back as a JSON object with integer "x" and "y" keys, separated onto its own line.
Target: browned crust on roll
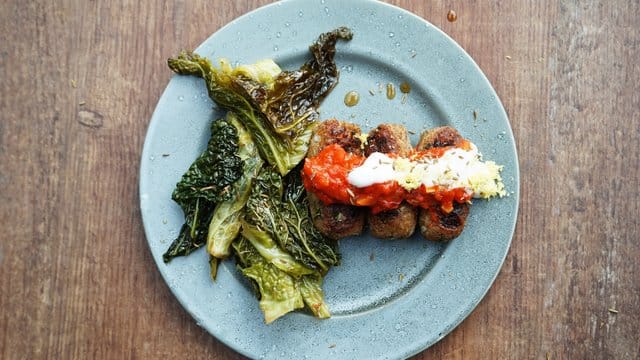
{"x": 397, "y": 223}
{"x": 335, "y": 132}
{"x": 336, "y": 221}
{"x": 388, "y": 139}
{"x": 435, "y": 224}
{"x": 439, "y": 137}
{"x": 401, "y": 222}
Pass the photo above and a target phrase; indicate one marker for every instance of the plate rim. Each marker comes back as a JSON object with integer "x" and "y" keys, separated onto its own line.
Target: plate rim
{"x": 515, "y": 192}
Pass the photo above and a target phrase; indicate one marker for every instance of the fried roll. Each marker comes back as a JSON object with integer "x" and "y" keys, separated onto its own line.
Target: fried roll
{"x": 401, "y": 222}
{"x": 435, "y": 224}
{"x": 336, "y": 221}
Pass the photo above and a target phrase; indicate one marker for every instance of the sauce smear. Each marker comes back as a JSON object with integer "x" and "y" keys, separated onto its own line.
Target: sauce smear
{"x": 326, "y": 175}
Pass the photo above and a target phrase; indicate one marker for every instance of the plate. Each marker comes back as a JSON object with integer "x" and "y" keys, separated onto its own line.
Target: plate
{"x": 389, "y": 299}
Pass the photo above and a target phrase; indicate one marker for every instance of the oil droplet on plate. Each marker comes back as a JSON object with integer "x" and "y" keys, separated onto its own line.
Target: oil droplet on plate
{"x": 391, "y": 91}
{"x": 351, "y": 98}
{"x": 405, "y": 88}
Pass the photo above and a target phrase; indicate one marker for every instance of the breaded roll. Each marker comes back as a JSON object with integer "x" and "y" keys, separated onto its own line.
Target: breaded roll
{"x": 336, "y": 221}
{"x": 435, "y": 224}
{"x": 401, "y": 222}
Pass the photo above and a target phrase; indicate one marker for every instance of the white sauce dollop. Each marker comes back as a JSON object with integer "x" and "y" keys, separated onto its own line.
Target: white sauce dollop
{"x": 376, "y": 169}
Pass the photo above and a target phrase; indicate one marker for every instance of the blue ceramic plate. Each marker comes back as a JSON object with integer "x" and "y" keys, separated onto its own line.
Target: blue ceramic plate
{"x": 389, "y": 299}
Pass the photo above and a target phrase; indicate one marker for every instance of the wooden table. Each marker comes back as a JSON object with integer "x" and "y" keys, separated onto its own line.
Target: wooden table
{"x": 80, "y": 79}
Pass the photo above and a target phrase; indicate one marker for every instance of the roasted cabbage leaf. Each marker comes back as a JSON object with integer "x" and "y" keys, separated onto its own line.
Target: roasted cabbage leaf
{"x": 275, "y": 217}
{"x": 278, "y": 291}
{"x": 311, "y": 291}
{"x": 207, "y": 181}
{"x": 280, "y": 111}
{"x": 226, "y": 220}
{"x": 241, "y": 195}
{"x": 211, "y": 175}
{"x": 305, "y": 242}
{"x": 293, "y": 102}
{"x": 193, "y": 233}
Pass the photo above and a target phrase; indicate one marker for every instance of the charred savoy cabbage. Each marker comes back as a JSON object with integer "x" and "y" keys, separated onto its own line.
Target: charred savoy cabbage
{"x": 278, "y": 107}
{"x": 241, "y": 196}
{"x": 208, "y": 181}
{"x": 278, "y": 211}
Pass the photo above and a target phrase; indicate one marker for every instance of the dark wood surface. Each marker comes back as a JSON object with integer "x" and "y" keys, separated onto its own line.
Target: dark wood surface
{"x": 80, "y": 79}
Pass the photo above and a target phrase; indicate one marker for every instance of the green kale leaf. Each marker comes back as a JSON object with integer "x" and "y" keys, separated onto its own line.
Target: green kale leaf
{"x": 211, "y": 175}
{"x": 208, "y": 181}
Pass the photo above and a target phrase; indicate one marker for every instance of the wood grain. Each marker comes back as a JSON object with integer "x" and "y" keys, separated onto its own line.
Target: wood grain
{"x": 80, "y": 80}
